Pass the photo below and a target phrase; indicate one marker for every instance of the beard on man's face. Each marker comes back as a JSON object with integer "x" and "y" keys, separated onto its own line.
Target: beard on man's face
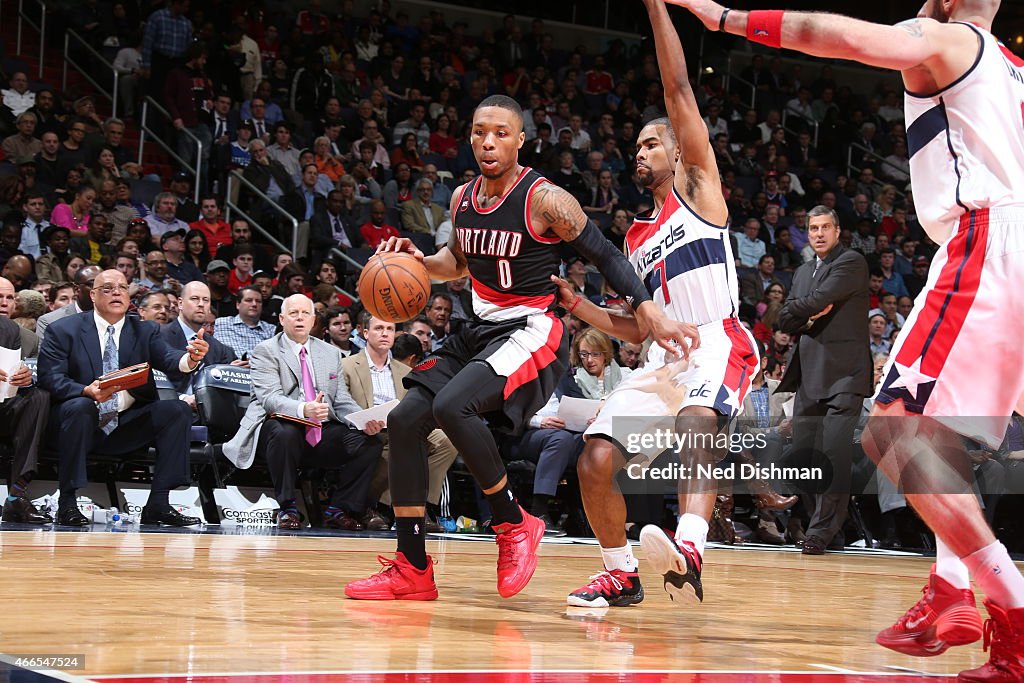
{"x": 933, "y": 9}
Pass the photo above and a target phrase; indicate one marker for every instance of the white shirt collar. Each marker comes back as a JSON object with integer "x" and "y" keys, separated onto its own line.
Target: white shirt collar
{"x": 386, "y": 366}
{"x": 295, "y": 346}
{"x": 102, "y": 325}
{"x": 189, "y": 332}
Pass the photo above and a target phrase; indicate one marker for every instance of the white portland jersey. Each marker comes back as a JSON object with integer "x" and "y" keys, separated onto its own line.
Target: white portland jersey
{"x": 685, "y": 262}
{"x": 966, "y": 141}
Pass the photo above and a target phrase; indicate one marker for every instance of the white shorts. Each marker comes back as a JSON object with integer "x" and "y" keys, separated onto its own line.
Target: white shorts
{"x": 959, "y": 356}
{"x": 717, "y": 375}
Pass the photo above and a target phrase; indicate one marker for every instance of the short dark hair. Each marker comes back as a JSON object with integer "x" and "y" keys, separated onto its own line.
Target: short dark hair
{"x": 665, "y": 123}
{"x": 242, "y": 290}
{"x": 334, "y": 311}
{"x": 407, "y": 345}
{"x": 876, "y": 272}
{"x": 144, "y": 300}
{"x": 57, "y": 287}
{"x": 418, "y": 319}
{"x": 439, "y": 295}
{"x": 504, "y": 102}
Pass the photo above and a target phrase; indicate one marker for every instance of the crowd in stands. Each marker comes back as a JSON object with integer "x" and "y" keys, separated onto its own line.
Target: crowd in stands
{"x": 356, "y": 125}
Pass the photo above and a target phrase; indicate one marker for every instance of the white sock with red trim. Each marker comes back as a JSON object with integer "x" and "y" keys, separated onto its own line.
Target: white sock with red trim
{"x": 619, "y": 558}
{"x": 694, "y": 530}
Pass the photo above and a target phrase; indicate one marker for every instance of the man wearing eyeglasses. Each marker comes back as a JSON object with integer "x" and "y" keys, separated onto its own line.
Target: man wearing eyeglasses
{"x": 79, "y": 349}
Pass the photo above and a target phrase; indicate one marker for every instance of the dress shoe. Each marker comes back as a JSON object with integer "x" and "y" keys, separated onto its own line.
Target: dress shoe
{"x": 772, "y": 500}
{"x": 374, "y": 521}
{"x": 71, "y": 517}
{"x": 813, "y": 546}
{"x": 795, "y": 531}
{"x": 21, "y": 509}
{"x": 167, "y": 517}
{"x": 343, "y": 521}
{"x": 768, "y": 533}
{"x": 289, "y": 519}
{"x": 432, "y": 526}
{"x": 552, "y": 529}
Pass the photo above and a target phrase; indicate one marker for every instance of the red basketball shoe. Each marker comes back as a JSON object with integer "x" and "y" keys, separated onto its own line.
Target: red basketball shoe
{"x": 398, "y": 580}
{"x": 944, "y": 617}
{"x": 517, "y": 553}
{"x": 1004, "y": 638}
{"x": 615, "y": 588}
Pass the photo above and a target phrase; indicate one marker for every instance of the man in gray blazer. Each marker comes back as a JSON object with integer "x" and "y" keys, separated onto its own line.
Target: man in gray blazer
{"x": 297, "y": 376}
{"x": 831, "y": 367}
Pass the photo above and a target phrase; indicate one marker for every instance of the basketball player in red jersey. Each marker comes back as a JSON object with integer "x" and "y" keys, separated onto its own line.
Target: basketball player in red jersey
{"x": 964, "y": 104}
{"x": 683, "y": 253}
{"x": 504, "y": 365}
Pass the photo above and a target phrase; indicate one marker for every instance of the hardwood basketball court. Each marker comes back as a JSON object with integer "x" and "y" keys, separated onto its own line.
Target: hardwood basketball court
{"x": 216, "y": 607}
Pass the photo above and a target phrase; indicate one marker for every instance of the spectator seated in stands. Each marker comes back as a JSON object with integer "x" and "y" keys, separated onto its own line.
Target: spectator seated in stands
{"x": 295, "y": 375}
{"x": 749, "y": 247}
{"x": 213, "y": 227}
{"x": 244, "y": 331}
{"x": 179, "y": 268}
{"x": 95, "y": 244}
{"x": 421, "y": 214}
{"x": 374, "y": 377}
{"x": 88, "y": 417}
{"x": 753, "y": 286}
{"x": 334, "y": 225}
{"x": 164, "y": 216}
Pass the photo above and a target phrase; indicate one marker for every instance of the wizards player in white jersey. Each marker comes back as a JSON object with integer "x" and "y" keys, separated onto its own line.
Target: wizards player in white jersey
{"x": 956, "y": 367}
{"x": 683, "y": 254}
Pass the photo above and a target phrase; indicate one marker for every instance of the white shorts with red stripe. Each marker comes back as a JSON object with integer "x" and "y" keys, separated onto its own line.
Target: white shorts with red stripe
{"x": 717, "y": 375}
{"x": 959, "y": 356}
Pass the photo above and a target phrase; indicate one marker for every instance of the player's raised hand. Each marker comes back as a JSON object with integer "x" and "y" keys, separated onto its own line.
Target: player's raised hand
{"x": 708, "y": 11}
{"x": 400, "y": 244}
{"x": 566, "y": 294}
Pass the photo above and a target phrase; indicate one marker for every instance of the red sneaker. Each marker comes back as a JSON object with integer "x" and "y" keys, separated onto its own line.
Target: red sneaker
{"x": 1004, "y": 638}
{"x": 614, "y": 588}
{"x": 517, "y": 553}
{"x": 398, "y": 580}
{"x": 944, "y": 617}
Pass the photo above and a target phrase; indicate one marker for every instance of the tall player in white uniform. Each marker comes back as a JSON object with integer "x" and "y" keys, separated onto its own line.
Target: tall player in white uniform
{"x": 683, "y": 254}
{"x": 957, "y": 362}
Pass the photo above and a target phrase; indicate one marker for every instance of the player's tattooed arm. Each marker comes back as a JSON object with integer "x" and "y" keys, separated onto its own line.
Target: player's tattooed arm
{"x": 913, "y": 27}
{"x": 557, "y": 212}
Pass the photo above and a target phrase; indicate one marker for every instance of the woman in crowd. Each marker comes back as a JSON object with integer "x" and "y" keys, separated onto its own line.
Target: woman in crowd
{"x": 442, "y": 141}
{"x": 407, "y": 153}
{"x": 399, "y": 189}
{"x": 197, "y": 250}
{"x": 75, "y": 216}
{"x": 326, "y": 162}
{"x": 105, "y": 168}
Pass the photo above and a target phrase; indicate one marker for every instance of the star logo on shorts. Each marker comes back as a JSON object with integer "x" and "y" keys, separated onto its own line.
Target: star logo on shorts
{"x": 910, "y": 378}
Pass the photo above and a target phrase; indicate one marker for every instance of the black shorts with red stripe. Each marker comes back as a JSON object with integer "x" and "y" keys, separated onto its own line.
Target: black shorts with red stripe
{"x": 531, "y": 354}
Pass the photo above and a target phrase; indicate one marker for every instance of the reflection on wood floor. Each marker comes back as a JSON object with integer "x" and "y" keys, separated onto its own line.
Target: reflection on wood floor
{"x": 143, "y": 604}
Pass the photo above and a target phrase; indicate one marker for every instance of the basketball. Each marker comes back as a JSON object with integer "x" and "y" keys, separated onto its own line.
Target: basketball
{"x": 394, "y": 286}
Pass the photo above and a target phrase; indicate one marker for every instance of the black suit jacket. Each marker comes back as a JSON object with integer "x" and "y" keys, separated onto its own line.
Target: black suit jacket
{"x": 71, "y": 359}
{"x": 10, "y": 336}
{"x": 174, "y": 337}
{"x": 321, "y": 234}
{"x": 832, "y": 356}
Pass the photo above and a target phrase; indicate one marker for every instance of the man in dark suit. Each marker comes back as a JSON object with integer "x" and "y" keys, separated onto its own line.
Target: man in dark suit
{"x": 328, "y": 228}
{"x": 831, "y": 367}
{"x": 79, "y": 349}
{"x": 23, "y": 417}
{"x": 193, "y": 310}
{"x": 754, "y": 285}
{"x": 295, "y": 375}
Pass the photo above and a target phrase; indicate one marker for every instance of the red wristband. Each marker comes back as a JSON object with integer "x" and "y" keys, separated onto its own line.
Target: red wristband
{"x": 765, "y": 27}
{"x": 575, "y": 303}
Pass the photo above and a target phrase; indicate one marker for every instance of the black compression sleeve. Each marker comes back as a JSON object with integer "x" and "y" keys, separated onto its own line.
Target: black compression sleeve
{"x": 612, "y": 263}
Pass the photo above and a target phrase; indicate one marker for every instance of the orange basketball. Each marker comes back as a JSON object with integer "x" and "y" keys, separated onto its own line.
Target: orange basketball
{"x": 394, "y": 286}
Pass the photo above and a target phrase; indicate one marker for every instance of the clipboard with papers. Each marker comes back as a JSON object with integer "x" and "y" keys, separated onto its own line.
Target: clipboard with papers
{"x": 125, "y": 378}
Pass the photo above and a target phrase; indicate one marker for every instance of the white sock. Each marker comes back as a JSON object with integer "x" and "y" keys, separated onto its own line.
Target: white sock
{"x": 694, "y": 530}
{"x": 619, "y": 558}
{"x": 950, "y": 567}
{"x": 997, "y": 576}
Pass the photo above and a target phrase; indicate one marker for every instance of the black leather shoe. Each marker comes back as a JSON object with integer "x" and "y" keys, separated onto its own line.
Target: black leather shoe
{"x": 22, "y": 510}
{"x": 813, "y": 546}
{"x": 167, "y": 517}
{"x": 71, "y": 517}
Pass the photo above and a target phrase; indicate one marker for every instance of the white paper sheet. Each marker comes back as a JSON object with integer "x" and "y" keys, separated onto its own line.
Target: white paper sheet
{"x": 787, "y": 407}
{"x": 10, "y": 360}
{"x": 361, "y": 417}
{"x": 576, "y": 412}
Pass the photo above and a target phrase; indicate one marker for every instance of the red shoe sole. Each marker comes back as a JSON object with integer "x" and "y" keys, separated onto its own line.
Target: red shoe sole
{"x": 422, "y": 595}
{"x": 954, "y": 627}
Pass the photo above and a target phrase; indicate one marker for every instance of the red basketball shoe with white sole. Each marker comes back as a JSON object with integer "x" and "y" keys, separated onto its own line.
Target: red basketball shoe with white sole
{"x": 398, "y": 580}
{"x": 946, "y": 616}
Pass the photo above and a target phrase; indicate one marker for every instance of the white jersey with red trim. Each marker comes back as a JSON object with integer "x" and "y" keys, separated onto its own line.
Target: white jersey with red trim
{"x": 966, "y": 141}
{"x": 685, "y": 262}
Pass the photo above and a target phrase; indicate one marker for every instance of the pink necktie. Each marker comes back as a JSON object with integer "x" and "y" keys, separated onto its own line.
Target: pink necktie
{"x": 312, "y": 433}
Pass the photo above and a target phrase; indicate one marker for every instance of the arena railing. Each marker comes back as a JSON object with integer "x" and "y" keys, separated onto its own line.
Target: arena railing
{"x": 236, "y": 179}
{"x": 854, "y": 170}
{"x": 88, "y": 73}
{"x": 814, "y": 125}
{"x": 40, "y": 29}
{"x": 150, "y": 104}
